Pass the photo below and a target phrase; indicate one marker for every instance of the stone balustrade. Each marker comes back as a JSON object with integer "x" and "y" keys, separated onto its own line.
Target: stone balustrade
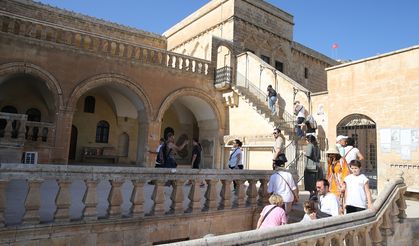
{"x": 49, "y": 193}
{"x": 18, "y": 130}
{"x": 384, "y": 225}
{"x": 99, "y": 44}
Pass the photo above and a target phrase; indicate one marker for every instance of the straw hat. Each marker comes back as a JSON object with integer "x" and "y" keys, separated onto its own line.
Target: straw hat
{"x": 332, "y": 151}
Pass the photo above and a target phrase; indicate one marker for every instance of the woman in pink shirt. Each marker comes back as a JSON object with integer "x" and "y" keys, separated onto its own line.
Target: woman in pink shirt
{"x": 272, "y": 215}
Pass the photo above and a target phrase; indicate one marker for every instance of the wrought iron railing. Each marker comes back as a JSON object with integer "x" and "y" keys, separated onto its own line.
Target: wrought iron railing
{"x": 223, "y": 75}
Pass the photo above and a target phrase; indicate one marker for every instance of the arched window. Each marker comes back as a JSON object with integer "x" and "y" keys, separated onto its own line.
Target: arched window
{"x": 102, "y": 132}
{"x": 89, "y": 104}
{"x": 34, "y": 114}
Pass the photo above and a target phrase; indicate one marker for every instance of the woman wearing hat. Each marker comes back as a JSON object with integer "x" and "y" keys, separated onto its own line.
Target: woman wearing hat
{"x": 337, "y": 170}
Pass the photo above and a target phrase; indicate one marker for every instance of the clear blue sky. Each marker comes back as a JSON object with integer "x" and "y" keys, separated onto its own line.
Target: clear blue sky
{"x": 361, "y": 28}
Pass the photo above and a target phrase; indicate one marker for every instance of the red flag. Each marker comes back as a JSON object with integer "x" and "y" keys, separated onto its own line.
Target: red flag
{"x": 335, "y": 46}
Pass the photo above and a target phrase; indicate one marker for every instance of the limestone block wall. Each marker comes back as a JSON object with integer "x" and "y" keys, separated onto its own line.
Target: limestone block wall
{"x": 386, "y": 89}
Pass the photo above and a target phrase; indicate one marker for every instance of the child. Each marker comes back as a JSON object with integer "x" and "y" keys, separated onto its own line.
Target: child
{"x": 357, "y": 190}
{"x": 310, "y": 211}
{"x": 272, "y": 215}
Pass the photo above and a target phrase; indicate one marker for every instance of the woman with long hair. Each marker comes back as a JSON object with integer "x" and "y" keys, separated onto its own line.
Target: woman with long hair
{"x": 312, "y": 170}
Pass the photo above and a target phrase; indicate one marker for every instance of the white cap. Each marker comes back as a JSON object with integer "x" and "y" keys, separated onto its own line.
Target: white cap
{"x": 340, "y": 137}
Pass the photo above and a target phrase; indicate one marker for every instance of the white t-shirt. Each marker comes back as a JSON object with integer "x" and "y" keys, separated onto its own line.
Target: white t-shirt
{"x": 278, "y": 186}
{"x": 329, "y": 204}
{"x": 352, "y": 154}
{"x": 306, "y": 218}
{"x": 300, "y": 111}
{"x": 355, "y": 193}
{"x": 232, "y": 162}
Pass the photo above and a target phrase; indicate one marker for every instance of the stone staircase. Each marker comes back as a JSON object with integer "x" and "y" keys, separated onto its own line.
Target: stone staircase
{"x": 256, "y": 99}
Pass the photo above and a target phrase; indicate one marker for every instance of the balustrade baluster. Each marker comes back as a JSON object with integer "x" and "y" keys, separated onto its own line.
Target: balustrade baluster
{"x": 401, "y": 203}
{"x": 8, "y": 129}
{"x": 177, "y": 63}
{"x": 63, "y": 201}
{"x": 195, "y": 197}
{"x": 184, "y": 64}
{"x": 263, "y": 193}
{"x": 137, "y": 198}
{"x": 177, "y": 197}
{"x": 190, "y": 65}
{"x": 90, "y": 200}
{"x": 225, "y": 194}
{"x": 364, "y": 238}
{"x": 33, "y": 202}
{"x": 351, "y": 239}
{"x": 394, "y": 215}
{"x": 386, "y": 226}
{"x": 240, "y": 192}
{"x": 3, "y": 184}
{"x": 169, "y": 60}
{"x": 251, "y": 193}
{"x": 211, "y": 195}
{"x": 375, "y": 235}
{"x": 29, "y": 131}
{"x": 158, "y": 198}
{"x": 22, "y": 129}
{"x": 145, "y": 56}
{"x": 115, "y": 199}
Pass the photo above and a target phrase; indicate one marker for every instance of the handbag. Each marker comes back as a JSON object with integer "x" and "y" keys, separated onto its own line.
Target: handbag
{"x": 281, "y": 159}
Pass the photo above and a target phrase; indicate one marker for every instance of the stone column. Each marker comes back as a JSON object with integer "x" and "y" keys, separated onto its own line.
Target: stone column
{"x": 195, "y": 197}
{"x": 33, "y": 202}
{"x": 63, "y": 201}
{"x": 158, "y": 198}
{"x": 239, "y": 201}
{"x": 3, "y": 184}
{"x": 115, "y": 199}
{"x": 225, "y": 195}
{"x": 211, "y": 195}
{"x": 90, "y": 200}
{"x": 251, "y": 193}
{"x": 177, "y": 197}
{"x": 137, "y": 198}
{"x": 263, "y": 193}
{"x": 63, "y": 124}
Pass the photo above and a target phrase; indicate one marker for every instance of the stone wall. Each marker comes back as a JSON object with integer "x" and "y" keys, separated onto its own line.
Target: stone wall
{"x": 384, "y": 88}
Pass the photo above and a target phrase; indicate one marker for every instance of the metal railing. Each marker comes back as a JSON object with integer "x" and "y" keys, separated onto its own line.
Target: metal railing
{"x": 223, "y": 75}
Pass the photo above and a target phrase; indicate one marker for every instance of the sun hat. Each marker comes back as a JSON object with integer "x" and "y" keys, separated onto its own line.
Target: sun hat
{"x": 340, "y": 137}
{"x": 332, "y": 151}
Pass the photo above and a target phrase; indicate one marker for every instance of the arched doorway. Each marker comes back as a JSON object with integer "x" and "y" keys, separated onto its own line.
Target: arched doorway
{"x": 363, "y": 130}
{"x": 193, "y": 117}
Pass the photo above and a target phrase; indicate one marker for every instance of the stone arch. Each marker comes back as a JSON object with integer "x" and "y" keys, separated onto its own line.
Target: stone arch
{"x": 10, "y": 69}
{"x": 119, "y": 90}
{"x": 193, "y": 112}
{"x": 364, "y": 131}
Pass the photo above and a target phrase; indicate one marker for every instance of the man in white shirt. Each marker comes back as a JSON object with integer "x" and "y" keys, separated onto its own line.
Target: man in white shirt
{"x": 282, "y": 183}
{"x": 328, "y": 202}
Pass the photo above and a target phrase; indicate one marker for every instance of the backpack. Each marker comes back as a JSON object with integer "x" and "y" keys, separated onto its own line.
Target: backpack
{"x": 164, "y": 159}
{"x": 311, "y": 121}
{"x": 161, "y": 156}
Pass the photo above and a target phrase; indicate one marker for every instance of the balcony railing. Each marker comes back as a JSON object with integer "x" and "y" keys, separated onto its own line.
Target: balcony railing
{"x": 223, "y": 75}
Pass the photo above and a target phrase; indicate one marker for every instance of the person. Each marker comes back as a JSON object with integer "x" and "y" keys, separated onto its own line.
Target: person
{"x": 271, "y": 98}
{"x": 282, "y": 183}
{"x": 279, "y": 149}
{"x": 158, "y": 161}
{"x": 169, "y": 149}
{"x": 196, "y": 153}
{"x": 311, "y": 125}
{"x": 357, "y": 190}
{"x": 312, "y": 170}
{"x": 337, "y": 170}
{"x": 351, "y": 152}
{"x": 299, "y": 112}
{"x": 328, "y": 202}
{"x": 273, "y": 214}
{"x": 310, "y": 211}
{"x": 340, "y": 144}
{"x": 234, "y": 162}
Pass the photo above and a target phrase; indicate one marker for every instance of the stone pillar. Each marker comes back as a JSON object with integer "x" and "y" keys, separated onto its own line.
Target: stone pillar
{"x": 115, "y": 199}
{"x": 33, "y": 202}
{"x": 158, "y": 198}
{"x": 211, "y": 195}
{"x": 63, "y": 124}
{"x": 263, "y": 193}
{"x": 177, "y": 197}
{"x": 251, "y": 193}
{"x": 225, "y": 194}
{"x": 137, "y": 199}
{"x": 195, "y": 197}
{"x": 90, "y": 200}
{"x": 63, "y": 201}
{"x": 239, "y": 201}
{"x": 3, "y": 184}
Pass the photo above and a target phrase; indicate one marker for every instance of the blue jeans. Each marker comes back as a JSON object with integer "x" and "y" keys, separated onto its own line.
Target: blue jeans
{"x": 272, "y": 101}
{"x": 298, "y": 129}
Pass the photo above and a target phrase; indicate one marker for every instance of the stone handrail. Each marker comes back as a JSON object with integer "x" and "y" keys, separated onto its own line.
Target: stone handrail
{"x": 19, "y": 129}
{"x": 384, "y": 225}
{"x": 99, "y": 44}
{"x": 216, "y": 194}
